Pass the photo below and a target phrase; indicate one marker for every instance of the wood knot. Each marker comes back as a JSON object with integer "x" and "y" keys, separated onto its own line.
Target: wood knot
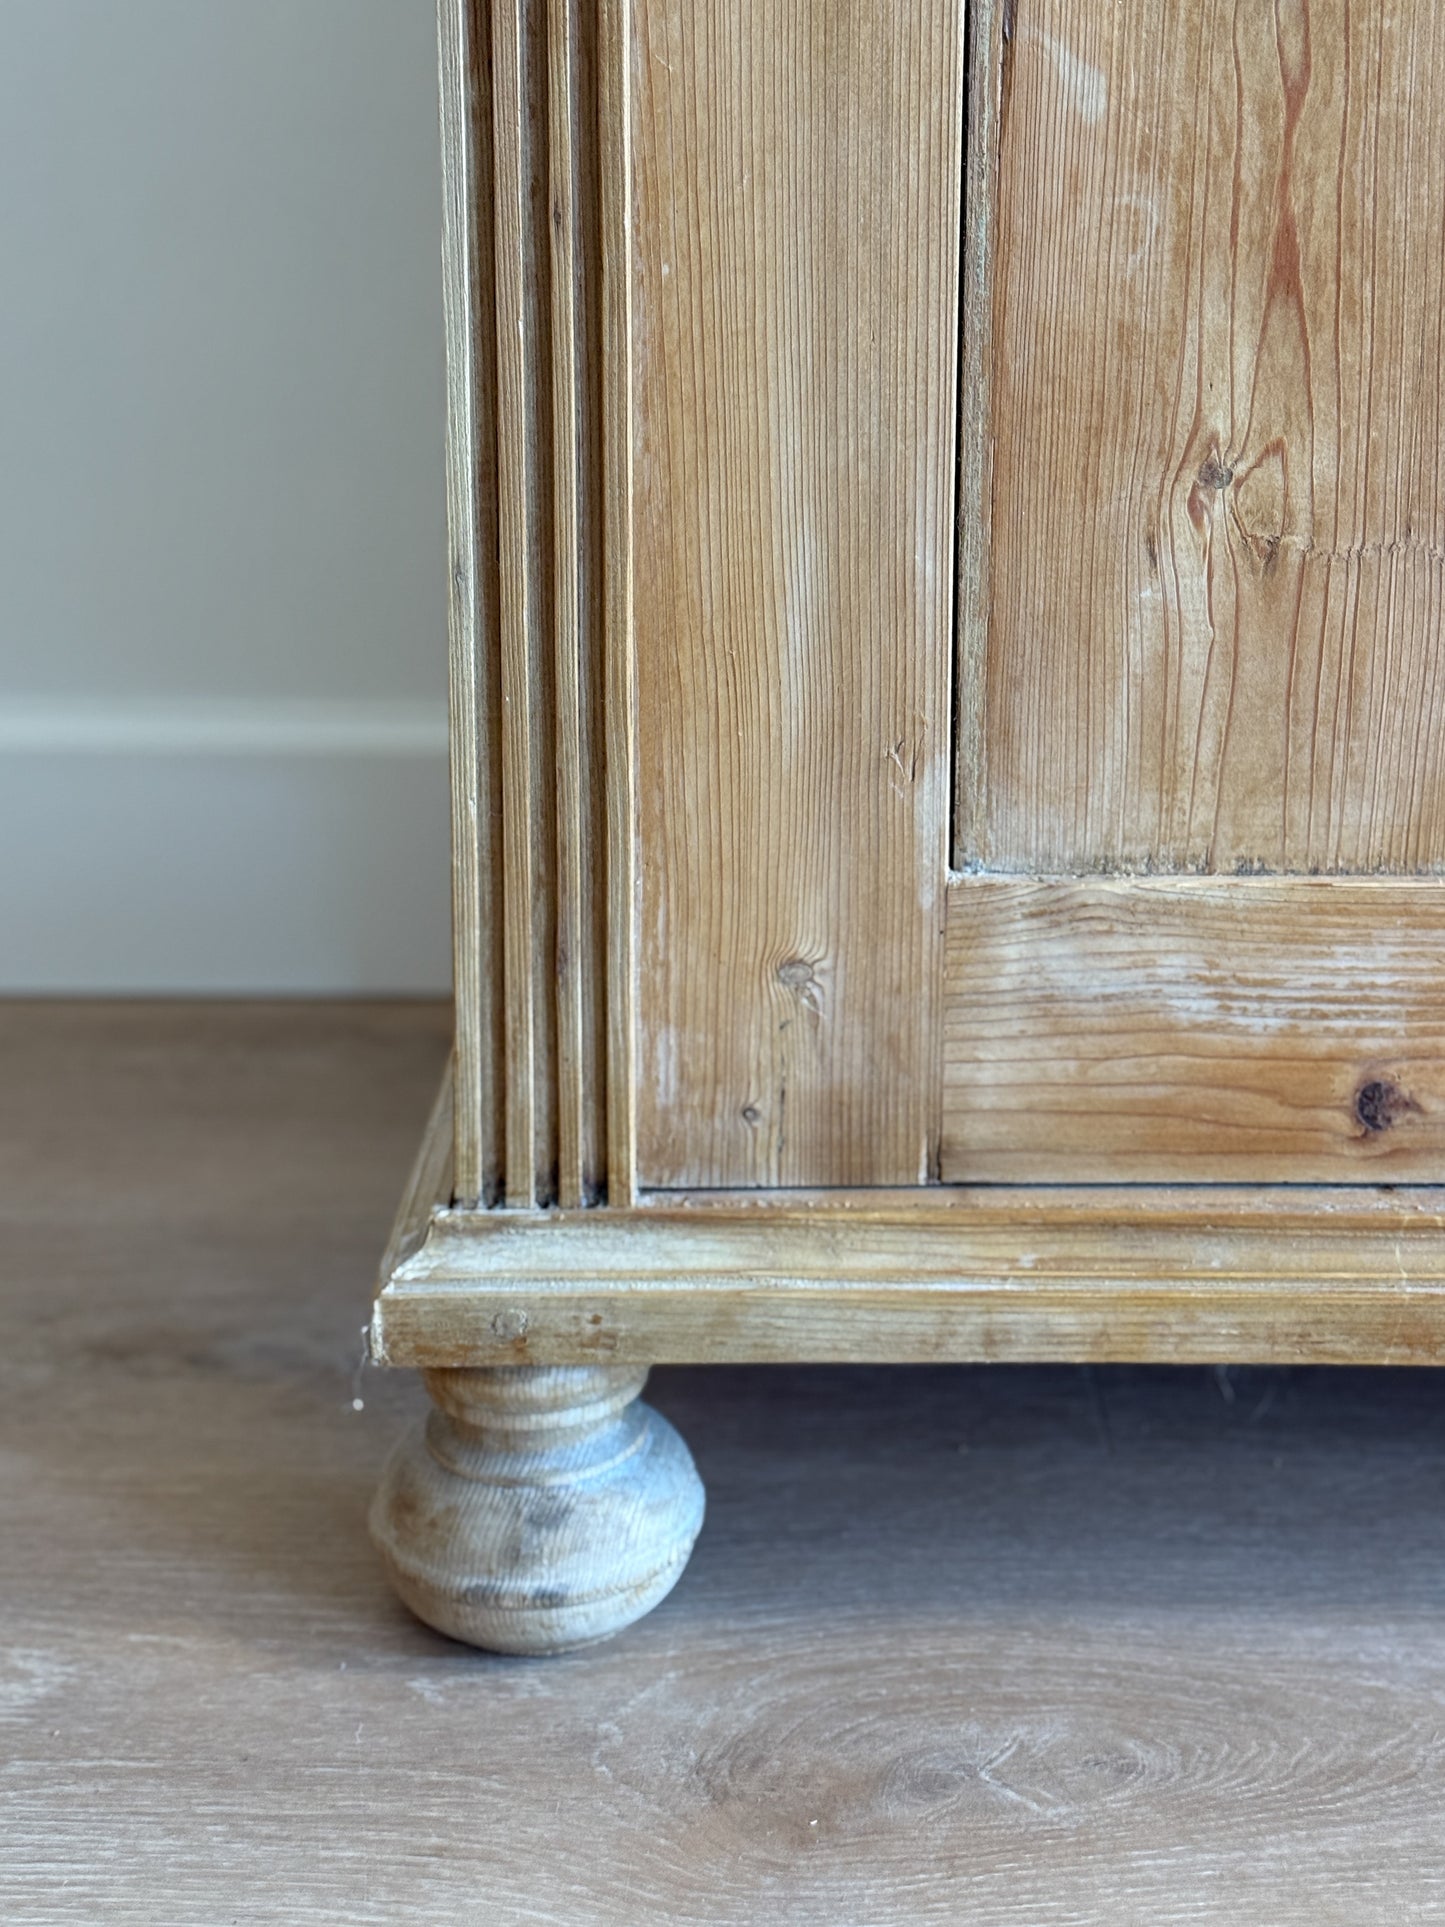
{"x": 1380, "y": 1103}
{"x": 796, "y": 973}
{"x": 1215, "y": 475}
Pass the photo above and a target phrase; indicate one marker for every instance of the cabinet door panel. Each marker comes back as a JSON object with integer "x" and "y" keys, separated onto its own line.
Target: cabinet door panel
{"x": 1202, "y": 794}
{"x": 1217, "y": 543}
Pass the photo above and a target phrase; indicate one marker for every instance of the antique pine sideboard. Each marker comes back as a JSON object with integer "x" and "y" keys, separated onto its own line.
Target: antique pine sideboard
{"x": 947, "y": 578}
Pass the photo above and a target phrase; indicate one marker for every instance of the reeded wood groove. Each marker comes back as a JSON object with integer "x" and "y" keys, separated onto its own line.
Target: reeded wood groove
{"x": 468, "y": 298}
{"x": 708, "y": 835}
{"x": 581, "y": 935}
{"x": 521, "y": 166}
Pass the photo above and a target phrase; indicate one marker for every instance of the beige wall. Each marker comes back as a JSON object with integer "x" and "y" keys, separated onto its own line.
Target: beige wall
{"x": 222, "y": 627}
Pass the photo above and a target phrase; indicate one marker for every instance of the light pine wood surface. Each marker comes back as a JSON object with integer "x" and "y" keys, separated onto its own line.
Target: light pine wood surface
{"x": 709, "y": 290}
{"x": 794, "y": 272}
{"x": 578, "y": 522}
{"x": 1055, "y": 1648}
{"x": 1164, "y": 1029}
{"x": 1217, "y": 412}
{"x": 702, "y": 302}
{"x": 885, "y": 1278}
{"x": 1178, "y": 1274}
{"x": 522, "y": 239}
{"x": 473, "y": 602}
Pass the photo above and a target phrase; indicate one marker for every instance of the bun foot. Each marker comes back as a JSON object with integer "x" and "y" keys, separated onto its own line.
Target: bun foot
{"x": 538, "y": 1508}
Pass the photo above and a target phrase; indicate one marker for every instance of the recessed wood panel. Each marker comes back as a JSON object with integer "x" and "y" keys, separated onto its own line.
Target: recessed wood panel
{"x": 1192, "y": 1029}
{"x": 1211, "y": 636}
{"x": 795, "y": 210}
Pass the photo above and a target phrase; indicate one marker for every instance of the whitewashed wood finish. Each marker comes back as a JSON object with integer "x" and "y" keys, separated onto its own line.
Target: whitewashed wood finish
{"x": 528, "y": 610}
{"x": 1201, "y": 592}
{"x": 521, "y": 164}
{"x": 473, "y": 606}
{"x": 771, "y": 1316}
{"x": 619, "y": 656}
{"x": 1177, "y": 1273}
{"x": 575, "y": 164}
{"x": 538, "y": 1508}
{"x": 431, "y": 1185}
{"x": 908, "y": 1292}
{"x": 793, "y": 258}
{"x": 1194, "y": 1029}
{"x": 1194, "y": 634}
{"x": 650, "y": 408}
{"x": 1215, "y": 520}
{"x": 584, "y": 368}
{"x": 988, "y": 46}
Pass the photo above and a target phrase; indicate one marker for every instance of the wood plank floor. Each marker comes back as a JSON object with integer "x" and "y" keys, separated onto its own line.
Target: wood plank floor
{"x": 1014, "y": 1647}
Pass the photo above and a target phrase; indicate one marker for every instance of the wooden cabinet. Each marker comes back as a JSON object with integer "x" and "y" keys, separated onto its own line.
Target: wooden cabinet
{"x": 948, "y": 570}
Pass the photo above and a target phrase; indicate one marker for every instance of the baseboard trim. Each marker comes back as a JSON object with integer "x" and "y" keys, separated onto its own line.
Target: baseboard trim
{"x": 223, "y": 725}
{"x": 224, "y": 848}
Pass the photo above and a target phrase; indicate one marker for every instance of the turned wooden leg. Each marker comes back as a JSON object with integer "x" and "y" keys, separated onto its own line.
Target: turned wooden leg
{"x": 538, "y": 1508}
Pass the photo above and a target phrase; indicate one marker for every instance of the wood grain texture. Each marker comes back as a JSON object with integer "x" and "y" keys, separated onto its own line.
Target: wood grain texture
{"x": 1178, "y": 1273}
{"x": 529, "y": 786}
{"x": 619, "y": 657}
{"x": 431, "y": 1185}
{"x": 522, "y": 276}
{"x": 578, "y": 527}
{"x": 537, "y": 1510}
{"x": 990, "y": 28}
{"x": 473, "y": 603}
{"x": 1142, "y": 1030}
{"x": 795, "y": 178}
{"x": 1035, "y": 1648}
{"x": 1218, "y": 408}
{"x": 773, "y": 1320}
{"x": 1184, "y": 1273}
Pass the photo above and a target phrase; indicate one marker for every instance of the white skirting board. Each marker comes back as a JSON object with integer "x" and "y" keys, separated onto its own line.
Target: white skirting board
{"x": 219, "y": 847}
